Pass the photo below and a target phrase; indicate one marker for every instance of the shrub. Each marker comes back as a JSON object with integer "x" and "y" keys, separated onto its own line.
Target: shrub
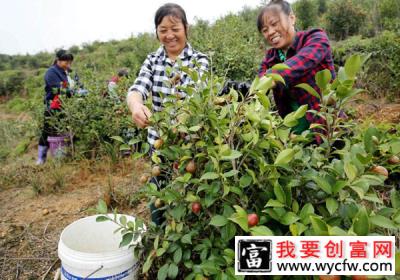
{"x": 223, "y": 159}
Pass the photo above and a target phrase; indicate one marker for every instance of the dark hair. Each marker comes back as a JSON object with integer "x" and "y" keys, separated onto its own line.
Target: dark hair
{"x": 285, "y": 8}
{"x": 63, "y": 55}
{"x": 171, "y": 9}
{"x": 123, "y": 72}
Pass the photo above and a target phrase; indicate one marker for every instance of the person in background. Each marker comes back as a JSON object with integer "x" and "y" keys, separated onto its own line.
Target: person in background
{"x": 305, "y": 52}
{"x": 113, "y": 84}
{"x": 56, "y": 83}
{"x": 171, "y": 30}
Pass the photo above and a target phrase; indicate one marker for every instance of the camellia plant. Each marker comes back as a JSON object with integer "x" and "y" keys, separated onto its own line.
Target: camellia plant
{"x": 231, "y": 166}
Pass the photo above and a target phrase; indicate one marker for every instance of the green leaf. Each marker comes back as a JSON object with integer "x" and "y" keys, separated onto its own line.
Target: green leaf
{"x": 395, "y": 199}
{"x": 323, "y": 78}
{"x": 233, "y": 155}
{"x": 187, "y": 239}
{"x": 102, "y": 219}
{"x": 195, "y": 128}
{"x": 126, "y": 239}
{"x": 284, "y": 157}
{"x": 336, "y": 231}
{"x": 264, "y": 100}
{"x": 309, "y": 89}
{"x": 124, "y": 147}
{"x": 261, "y": 231}
{"x": 274, "y": 203}
{"x": 305, "y": 213}
{"x": 301, "y": 111}
{"x": 352, "y": 66}
{"x": 323, "y": 184}
{"x": 173, "y": 271}
{"x": 218, "y": 221}
{"x": 147, "y": 264}
{"x": 240, "y": 218}
{"x": 178, "y": 255}
{"x": 230, "y": 173}
{"x": 280, "y": 67}
{"x": 123, "y": 220}
{"x": 383, "y": 222}
{"x": 361, "y": 222}
{"x": 289, "y": 218}
{"x": 101, "y": 207}
{"x": 245, "y": 181}
{"x": 118, "y": 138}
{"x": 264, "y": 84}
{"x": 350, "y": 170}
{"x": 276, "y": 78}
{"x": 163, "y": 272}
{"x": 279, "y": 193}
{"x": 319, "y": 226}
{"x": 209, "y": 176}
{"x": 332, "y": 205}
{"x": 160, "y": 252}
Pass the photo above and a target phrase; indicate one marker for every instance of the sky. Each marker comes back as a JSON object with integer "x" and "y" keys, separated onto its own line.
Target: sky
{"x": 31, "y": 26}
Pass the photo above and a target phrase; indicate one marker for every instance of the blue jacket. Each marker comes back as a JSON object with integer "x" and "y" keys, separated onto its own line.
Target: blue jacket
{"x": 55, "y": 80}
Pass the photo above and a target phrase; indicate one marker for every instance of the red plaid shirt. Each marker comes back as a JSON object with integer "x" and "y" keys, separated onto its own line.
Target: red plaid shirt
{"x": 309, "y": 54}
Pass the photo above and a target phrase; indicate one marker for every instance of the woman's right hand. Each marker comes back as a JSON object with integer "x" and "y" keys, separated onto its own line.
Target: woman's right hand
{"x": 140, "y": 114}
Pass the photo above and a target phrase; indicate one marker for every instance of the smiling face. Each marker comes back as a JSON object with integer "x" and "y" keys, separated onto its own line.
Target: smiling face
{"x": 278, "y": 28}
{"x": 172, "y": 34}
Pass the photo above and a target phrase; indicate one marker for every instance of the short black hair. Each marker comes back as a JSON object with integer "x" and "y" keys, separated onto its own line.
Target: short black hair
{"x": 284, "y": 5}
{"x": 123, "y": 72}
{"x": 63, "y": 55}
{"x": 171, "y": 9}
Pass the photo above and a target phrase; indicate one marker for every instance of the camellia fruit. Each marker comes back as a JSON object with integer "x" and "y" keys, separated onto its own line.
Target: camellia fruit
{"x": 156, "y": 171}
{"x": 143, "y": 179}
{"x": 331, "y": 101}
{"x": 191, "y": 167}
{"x": 394, "y": 160}
{"x": 380, "y": 170}
{"x": 196, "y": 207}
{"x": 252, "y": 219}
{"x": 158, "y": 144}
{"x": 158, "y": 203}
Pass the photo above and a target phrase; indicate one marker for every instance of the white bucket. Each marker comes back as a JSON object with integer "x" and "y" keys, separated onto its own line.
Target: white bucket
{"x": 90, "y": 250}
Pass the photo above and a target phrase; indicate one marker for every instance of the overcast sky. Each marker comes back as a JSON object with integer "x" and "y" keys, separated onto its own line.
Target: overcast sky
{"x": 30, "y": 26}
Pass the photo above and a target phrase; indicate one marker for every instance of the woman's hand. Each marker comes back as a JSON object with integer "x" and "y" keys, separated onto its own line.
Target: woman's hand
{"x": 140, "y": 113}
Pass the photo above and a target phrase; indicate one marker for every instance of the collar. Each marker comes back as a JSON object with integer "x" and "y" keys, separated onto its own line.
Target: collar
{"x": 186, "y": 52}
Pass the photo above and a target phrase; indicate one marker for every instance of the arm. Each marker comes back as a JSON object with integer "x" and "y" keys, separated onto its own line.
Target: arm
{"x": 139, "y": 92}
{"x": 53, "y": 85}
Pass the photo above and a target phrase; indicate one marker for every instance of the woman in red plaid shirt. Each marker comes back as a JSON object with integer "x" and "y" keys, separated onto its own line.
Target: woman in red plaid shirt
{"x": 305, "y": 52}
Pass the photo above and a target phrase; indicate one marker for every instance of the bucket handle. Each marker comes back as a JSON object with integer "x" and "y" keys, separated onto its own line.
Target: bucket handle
{"x": 97, "y": 270}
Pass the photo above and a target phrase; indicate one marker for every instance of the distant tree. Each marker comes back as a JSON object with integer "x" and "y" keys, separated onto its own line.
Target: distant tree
{"x": 306, "y": 13}
{"x": 390, "y": 14}
{"x": 322, "y": 6}
{"x": 344, "y": 19}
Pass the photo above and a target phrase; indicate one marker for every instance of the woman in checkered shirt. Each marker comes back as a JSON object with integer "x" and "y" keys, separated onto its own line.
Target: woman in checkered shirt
{"x": 171, "y": 29}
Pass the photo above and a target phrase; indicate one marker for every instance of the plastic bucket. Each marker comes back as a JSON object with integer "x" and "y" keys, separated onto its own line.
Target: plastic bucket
{"x": 90, "y": 250}
{"x": 58, "y": 145}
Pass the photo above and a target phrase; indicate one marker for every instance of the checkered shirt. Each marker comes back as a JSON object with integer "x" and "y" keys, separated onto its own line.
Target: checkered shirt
{"x": 153, "y": 79}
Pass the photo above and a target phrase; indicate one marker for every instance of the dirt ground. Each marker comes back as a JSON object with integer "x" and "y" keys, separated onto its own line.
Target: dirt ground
{"x": 35, "y": 206}
{"x": 37, "y": 203}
